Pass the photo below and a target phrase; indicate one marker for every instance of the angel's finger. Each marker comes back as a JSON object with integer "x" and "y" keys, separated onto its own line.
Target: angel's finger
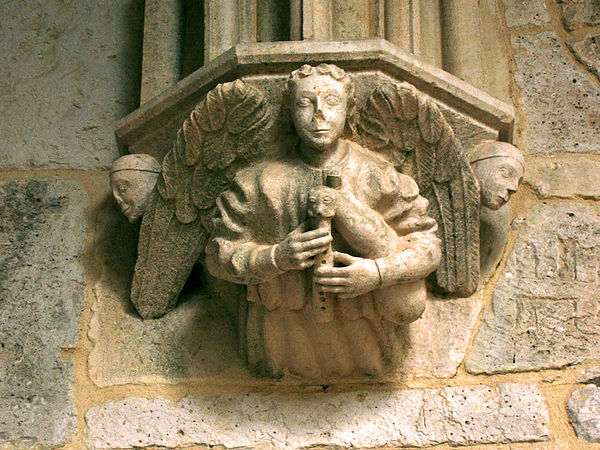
{"x": 331, "y": 271}
{"x": 310, "y": 253}
{"x": 306, "y": 264}
{"x": 299, "y": 229}
{"x": 335, "y": 289}
{"x": 335, "y": 281}
{"x": 313, "y": 234}
{"x": 343, "y": 258}
{"x": 315, "y": 243}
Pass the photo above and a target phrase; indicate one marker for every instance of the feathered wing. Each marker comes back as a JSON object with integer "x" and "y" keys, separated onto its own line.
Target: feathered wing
{"x": 227, "y": 130}
{"x": 411, "y": 132}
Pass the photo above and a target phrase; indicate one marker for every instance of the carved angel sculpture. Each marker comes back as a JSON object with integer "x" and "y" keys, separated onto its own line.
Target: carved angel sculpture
{"x": 234, "y": 196}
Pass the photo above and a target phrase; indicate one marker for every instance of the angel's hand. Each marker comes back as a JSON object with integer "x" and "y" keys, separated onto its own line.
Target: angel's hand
{"x": 298, "y": 249}
{"x": 358, "y": 276}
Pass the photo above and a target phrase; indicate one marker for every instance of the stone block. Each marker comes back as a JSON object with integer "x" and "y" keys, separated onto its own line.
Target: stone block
{"x": 583, "y": 408}
{"x": 545, "y": 305}
{"x": 587, "y": 53}
{"x": 42, "y": 229}
{"x": 436, "y": 344}
{"x": 579, "y": 13}
{"x": 523, "y": 13}
{"x": 68, "y": 71}
{"x": 561, "y": 103}
{"x": 196, "y": 340}
{"x": 453, "y": 415}
{"x": 576, "y": 176}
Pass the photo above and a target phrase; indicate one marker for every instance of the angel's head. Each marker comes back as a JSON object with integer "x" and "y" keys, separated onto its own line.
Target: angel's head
{"x": 319, "y": 99}
{"x": 499, "y": 167}
{"x": 132, "y": 179}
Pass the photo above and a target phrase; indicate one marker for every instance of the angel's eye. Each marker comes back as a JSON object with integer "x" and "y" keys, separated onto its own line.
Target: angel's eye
{"x": 327, "y": 200}
{"x": 312, "y": 199}
{"x": 504, "y": 172}
{"x": 332, "y": 100}
{"x": 304, "y": 101}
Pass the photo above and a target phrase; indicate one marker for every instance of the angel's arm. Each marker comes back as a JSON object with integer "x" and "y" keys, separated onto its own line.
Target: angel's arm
{"x": 400, "y": 237}
{"x": 418, "y": 253}
{"x": 233, "y": 253}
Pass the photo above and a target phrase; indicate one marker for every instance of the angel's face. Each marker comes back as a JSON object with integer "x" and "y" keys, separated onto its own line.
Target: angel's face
{"x": 318, "y": 110}
{"x": 499, "y": 178}
{"x": 132, "y": 189}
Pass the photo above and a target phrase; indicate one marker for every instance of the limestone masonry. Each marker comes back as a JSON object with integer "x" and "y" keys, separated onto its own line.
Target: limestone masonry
{"x": 480, "y": 329}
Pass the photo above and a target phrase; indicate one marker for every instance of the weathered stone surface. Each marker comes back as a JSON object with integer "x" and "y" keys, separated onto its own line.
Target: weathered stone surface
{"x": 590, "y": 376}
{"x": 545, "y": 304}
{"x": 587, "y": 53}
{"x": 572, "y": 177}
{"x": 577, "y": 13}
{"x": 351, "y": 19}
{"x": 436, "y": 343}
{"x": 163, "y": 29}
{"x": 68, "y": 70}
{"x": 561, "y": 103}
{"x": 196, "y": 340}
{"x": 583, "y": 408}
{"x": 453, "y": 415}
{"x": 41, "y": 297}
{"x": 521, "y": 13}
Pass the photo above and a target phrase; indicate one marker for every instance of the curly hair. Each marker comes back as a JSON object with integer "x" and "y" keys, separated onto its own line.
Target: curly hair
{"x": 307, "y": 70}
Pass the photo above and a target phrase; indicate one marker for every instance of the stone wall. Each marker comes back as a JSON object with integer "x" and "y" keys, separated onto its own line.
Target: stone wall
{"x": 517, "y": 366}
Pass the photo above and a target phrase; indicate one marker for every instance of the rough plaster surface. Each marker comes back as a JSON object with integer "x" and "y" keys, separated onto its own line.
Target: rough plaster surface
{"x": 68, "y": 70}
{"x": 578, "y": 13}
{"x": 587, "y": 53}
{"x": 453, "y": 415}
{"x": 521, "y": 13}
{"x": 561, "y": 102}
{"x": 41, "y": 298}
{"x": 574, "y": 177}
{"x": 583, "y": 408}
{"x": 545, "y": 305}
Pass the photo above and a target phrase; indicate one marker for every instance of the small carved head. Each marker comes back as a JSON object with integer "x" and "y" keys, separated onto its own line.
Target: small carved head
{"x": 322, "y": 201}
{"x": 499, "y": 167}
{"x": 319, "y": 100}
{"x": 132, "y": 179}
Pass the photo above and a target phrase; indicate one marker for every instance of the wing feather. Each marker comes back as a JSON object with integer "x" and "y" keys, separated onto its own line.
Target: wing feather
{"x": 409, "y": 129}
{"x": 227, "y": 129}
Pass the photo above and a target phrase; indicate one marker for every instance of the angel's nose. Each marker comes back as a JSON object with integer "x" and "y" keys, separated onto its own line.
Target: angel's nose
{"x": 319, "y": 114}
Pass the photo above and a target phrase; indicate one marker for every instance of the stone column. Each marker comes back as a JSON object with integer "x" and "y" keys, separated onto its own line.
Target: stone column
{"x": 430, "y": 39}
{"x": 317, "y": 18}
{"x": 161, "y": 58}
{"x": 221, "y": 30}
{"x": 357, "y": 19}
{"x": 415, "y": 26}
{"x": 273, "y": 20}
{"x": 462, "y": 40}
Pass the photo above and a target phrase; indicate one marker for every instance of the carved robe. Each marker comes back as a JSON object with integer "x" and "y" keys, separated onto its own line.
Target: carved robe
{"x": 278, "y": 330}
